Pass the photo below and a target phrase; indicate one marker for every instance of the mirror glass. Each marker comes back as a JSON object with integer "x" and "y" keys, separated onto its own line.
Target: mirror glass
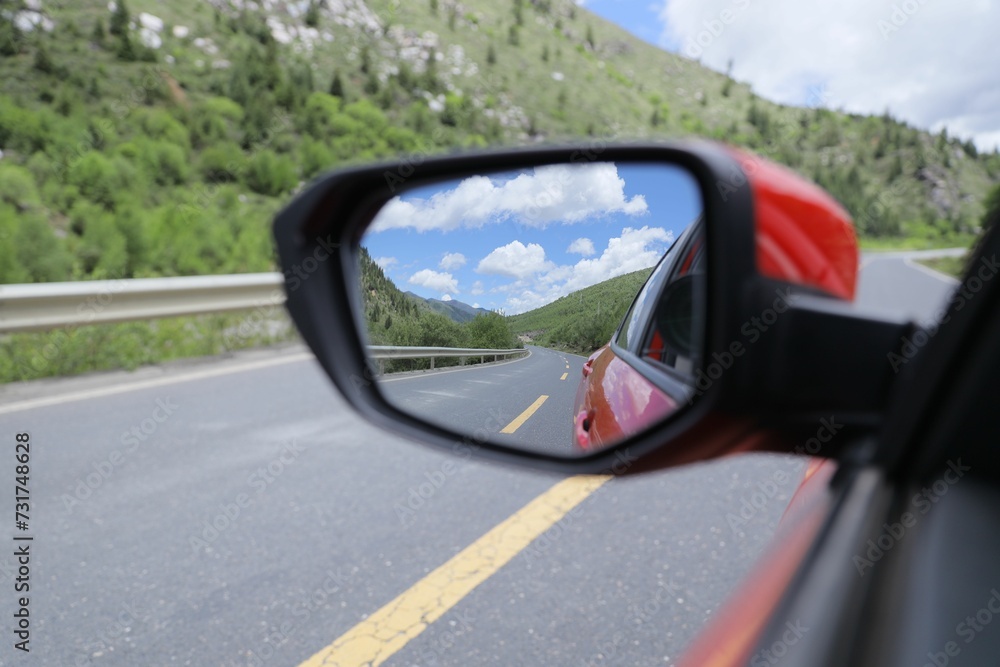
{"x": 557, "y": 308}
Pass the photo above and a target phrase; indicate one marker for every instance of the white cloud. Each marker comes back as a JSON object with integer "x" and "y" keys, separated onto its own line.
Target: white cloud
{"x": 925, "y": 61}
{"x": 476, "y": 305}
{"x": 582, "y": 246}
{"x": 477, "y": 288}
{"x": 556, "y": 193}
{"x": 515, "y": 260}
{"x": 452, "y": 261}
{"x": 439, "y": 282}
{"x": 635, "y": 249}
{"x": 385, "y": 262}
{"x": 446, "y": 297}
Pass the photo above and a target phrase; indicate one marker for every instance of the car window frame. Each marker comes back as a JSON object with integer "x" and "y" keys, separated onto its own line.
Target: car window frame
{"x": 697, "y": 260}
{"x": 672, "y": 382}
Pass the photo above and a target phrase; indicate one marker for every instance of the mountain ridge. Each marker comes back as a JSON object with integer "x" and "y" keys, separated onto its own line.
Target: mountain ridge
{"x": 454, "y": 309}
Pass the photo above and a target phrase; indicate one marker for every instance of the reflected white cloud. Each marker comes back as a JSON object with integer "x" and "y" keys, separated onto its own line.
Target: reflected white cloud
{"x": 435, "y": 280}
{"x": 452, "y": 261}
{"x": 540, "y": 281}
{"x": 582, "y": 246}
{"x": 556, "y": 193}
{"x": 515, "y": 260}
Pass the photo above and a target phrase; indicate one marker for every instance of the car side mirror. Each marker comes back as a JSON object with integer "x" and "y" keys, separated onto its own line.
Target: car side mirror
{"x": 654, "y": 304}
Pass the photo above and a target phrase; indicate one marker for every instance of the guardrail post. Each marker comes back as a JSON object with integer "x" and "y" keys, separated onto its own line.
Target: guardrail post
{"x": 432, "y": 363}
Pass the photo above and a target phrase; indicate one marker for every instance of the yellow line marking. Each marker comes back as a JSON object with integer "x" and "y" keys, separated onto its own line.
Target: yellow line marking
{"x": 374, "y": 640}
{"x": 523, "y": 417}
{"x": 564, "y": 376}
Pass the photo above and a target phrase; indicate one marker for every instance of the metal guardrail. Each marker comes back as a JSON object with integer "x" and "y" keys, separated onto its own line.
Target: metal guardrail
{"x": 44, "y": 306}
{"x": 381, "y": 352}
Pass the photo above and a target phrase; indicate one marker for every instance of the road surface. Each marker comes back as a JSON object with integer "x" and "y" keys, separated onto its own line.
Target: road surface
{"x": 235, "y": 512}
{"x": 896, "y": 284}
{"x": 488, "y": 399}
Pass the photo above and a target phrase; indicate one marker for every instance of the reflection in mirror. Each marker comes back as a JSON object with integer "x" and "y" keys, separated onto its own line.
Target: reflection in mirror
{"x": 556, "y": 308}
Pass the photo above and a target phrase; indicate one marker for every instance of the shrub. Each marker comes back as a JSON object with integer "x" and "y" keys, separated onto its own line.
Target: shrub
{"x": 130, "y": 222}
{"x": 17, "y": 187}
{"x": 317, "y": 114}
{"x": 11, "y": 269}
{"x": 119, "y": 19}
{"x": 102, "y": 252}
{"x": 314, "y": 157}
{"x": 21, "y": 129}
{"x": 39, "y": 251}
{"x": 213, "y": 120}
{"x": 96, "y": 177}
{"x": 159, "y": 124}
{"x": 490, "y": 331}
{"x": 270, "y": 174}
{"x": 164, "y": 162}
{"x": 10, "y": 38}
{"x": 221, "y": 163}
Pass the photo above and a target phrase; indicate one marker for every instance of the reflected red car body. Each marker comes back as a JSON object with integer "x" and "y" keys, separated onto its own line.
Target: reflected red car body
{"x": 803, "y": 236}
{"x": 623, "y": 398}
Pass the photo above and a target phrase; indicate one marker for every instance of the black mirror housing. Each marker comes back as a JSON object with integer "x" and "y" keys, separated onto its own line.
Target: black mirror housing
{"x": 756, "y": 394}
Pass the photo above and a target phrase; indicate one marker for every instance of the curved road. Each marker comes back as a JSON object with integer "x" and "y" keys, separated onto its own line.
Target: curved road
{"x": 527, "y": 402}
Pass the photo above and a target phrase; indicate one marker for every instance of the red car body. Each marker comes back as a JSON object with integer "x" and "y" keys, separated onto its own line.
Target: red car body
{"x": 802, "y": 235}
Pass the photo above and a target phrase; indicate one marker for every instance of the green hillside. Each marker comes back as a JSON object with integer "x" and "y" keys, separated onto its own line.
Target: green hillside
{"x": 159, "y": 139}
{"x": 584, "y": 320}
{"x": 393, "y": 317}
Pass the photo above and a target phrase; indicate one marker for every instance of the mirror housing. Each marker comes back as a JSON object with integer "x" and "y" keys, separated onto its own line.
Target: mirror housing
{"x": 783, "y": 347}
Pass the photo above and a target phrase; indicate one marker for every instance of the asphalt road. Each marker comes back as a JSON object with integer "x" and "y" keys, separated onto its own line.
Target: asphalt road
{"x": 896, "y": 284}
{"x": 235, "y": 512}
{"x": 486, "y": 399}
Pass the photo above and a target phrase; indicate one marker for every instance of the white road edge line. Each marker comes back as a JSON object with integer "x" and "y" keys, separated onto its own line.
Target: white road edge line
{"x": 99, "y": 392}
{"x": 931, "y": 272}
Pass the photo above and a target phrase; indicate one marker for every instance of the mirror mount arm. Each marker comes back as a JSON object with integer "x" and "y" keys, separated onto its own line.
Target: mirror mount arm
{"x": 824, "y": 359}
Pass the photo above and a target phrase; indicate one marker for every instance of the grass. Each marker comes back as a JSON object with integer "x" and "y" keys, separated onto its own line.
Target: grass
{"x": 950, "y": 266}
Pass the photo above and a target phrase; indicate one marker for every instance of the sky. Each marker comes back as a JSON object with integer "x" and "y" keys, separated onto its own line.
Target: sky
{"x": 931, "y": 63}
{"x": 515, "y": 241}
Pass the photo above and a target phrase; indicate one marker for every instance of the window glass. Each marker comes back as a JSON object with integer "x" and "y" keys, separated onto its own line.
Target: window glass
{"x": 630, "y": 334}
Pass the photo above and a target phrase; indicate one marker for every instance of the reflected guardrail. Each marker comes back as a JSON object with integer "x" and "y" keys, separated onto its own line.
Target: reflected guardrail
{"x": 382, "y": 352}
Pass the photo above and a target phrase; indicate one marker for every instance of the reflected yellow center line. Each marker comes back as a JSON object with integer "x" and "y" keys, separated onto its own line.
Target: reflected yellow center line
{"x": 564, "y": 376}
{"x": 378, "y": 637}
{"x": 523, "y": 417}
